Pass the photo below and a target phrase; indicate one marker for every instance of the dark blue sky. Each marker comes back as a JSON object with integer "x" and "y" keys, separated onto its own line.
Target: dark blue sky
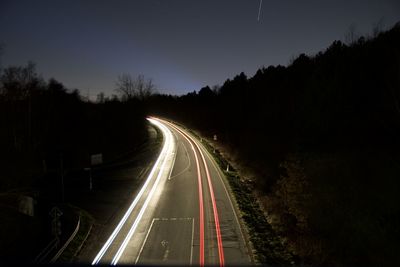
{"x": 182, "y": 45}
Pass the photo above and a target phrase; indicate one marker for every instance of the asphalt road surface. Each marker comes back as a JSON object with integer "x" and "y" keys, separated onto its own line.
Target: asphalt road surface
{"x": 183, "y": 213}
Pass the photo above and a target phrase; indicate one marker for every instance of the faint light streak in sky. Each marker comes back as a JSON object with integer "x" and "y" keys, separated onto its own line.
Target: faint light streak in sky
{"x": 259, "y": 11}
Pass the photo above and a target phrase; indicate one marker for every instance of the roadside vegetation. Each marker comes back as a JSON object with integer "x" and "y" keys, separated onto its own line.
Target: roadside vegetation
{"x": 47, "y": 136}
{"x": 319, "y": 139}
{"x": 268, "y": 246}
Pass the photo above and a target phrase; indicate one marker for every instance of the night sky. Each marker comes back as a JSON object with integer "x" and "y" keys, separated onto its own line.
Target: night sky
{"x": 181, "y": 45}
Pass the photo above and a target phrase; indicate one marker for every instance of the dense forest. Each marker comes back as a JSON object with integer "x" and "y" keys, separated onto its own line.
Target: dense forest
{"x": 321, "y": 139}
{"x": 44, "y": 123}
{"x": 48, "y": 134}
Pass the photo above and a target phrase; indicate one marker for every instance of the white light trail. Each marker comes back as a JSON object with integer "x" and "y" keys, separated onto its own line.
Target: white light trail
{"x": 170, "y": 147}
{"x": 163, "y": 153}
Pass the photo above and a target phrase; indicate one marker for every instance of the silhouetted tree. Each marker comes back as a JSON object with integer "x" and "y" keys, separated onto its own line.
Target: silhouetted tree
{"x": 1, "y": 56}
{"x": 129, "y": 88}
{"x": 126, "y": 86}
{"x": 100, "y": 98}
{"x": 378, "y": 27}
{"x": 18, "y": 82}
{"x": 322, "y": 137}
{"x": 351, "y": 36}
{"x": 144, "y": 88}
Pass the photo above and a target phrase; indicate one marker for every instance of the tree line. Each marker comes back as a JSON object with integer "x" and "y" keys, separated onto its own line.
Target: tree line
{"x": 321, "y": 139}
{"x": 43, "y": 122}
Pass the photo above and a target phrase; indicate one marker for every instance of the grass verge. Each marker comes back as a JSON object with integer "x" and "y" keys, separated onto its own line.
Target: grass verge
{"x": 268, "y": 247}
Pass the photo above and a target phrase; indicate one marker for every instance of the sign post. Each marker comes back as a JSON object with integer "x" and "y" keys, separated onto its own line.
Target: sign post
{"x": 95, "y": 159}
{"x": 90, "y": 178}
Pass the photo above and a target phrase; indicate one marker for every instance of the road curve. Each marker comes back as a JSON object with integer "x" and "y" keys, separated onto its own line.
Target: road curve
{"x": 183, "y": 213}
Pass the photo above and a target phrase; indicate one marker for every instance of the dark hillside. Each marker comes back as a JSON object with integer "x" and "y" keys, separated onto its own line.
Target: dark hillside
{"x": 321, "y": 137}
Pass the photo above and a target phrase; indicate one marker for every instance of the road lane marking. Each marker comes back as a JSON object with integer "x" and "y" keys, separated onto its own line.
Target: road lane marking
{"x": 216, "y": 216}
{"x": 191, "y": 247}
{"x": 173, "y": 161}
{"x": 145, "y": 239}
{"x": 201, "y": 205}
{"x": 201, "y": 218}
{"x": 165, "y": 245}
{"x": 209, "y": 156}
{"x": 160, "y": 238}
{"x": 109, "y": 241}
{"x": 215, "y": 210}
{"x": 231, "y": 203}
{"x": 149, "y": 196}
{"x": 187, "y": 167}
{"x": 173, "y": 219}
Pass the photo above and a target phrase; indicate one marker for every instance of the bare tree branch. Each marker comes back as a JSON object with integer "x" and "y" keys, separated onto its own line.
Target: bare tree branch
{"x": 125, "y": 86}
{"x": 351, "y": 36}
{"x": 129, "y": 88}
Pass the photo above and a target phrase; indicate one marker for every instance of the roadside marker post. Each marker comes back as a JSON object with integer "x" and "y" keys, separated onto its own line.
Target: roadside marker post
{"x": 90, "y": 178}
{"x": 95, "y": 159}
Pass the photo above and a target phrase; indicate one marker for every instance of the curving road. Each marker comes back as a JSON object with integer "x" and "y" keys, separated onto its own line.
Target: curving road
{"x": 183, "y": 213}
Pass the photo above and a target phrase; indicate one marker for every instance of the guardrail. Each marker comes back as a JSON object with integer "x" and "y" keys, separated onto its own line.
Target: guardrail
{"x": 67, "y": 242}
{"x": 48, "y": 250}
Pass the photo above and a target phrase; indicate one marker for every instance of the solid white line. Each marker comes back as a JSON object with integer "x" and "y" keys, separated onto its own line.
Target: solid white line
{"x": 134, "y": 203}
{"x": 215, "y": 211}
{"x": 144, "y": 242}
{"x": 191, "y": 248}
{"x": 143, "y": 209}
{"x": 187, "y": 167}
{"x": 228, "y": 195}
{"x": 173, "y": 161}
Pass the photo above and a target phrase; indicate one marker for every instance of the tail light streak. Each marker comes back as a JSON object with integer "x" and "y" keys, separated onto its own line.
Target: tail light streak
{"x": 215, "y": 210}
{"x": 201, "y": 206}
{"x": 161, "y": 166}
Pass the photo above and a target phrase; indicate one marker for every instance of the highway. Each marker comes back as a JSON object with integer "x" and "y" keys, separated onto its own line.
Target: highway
{"x": 182, "y": 214}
